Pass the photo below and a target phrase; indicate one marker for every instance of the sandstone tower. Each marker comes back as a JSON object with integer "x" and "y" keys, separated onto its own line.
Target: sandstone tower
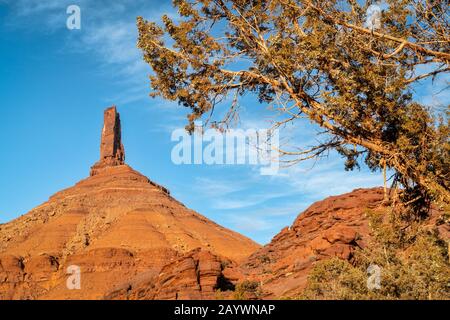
{"x": 112, "y": 152}
{"x": 123, "y": 230}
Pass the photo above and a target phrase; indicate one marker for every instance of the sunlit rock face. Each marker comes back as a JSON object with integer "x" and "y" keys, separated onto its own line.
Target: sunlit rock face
{"x": 112, "y": 152}
{"x": 120, "y": 230}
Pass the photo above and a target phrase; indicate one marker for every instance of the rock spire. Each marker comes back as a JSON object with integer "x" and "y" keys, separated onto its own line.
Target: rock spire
{"x": 112, "y": 152}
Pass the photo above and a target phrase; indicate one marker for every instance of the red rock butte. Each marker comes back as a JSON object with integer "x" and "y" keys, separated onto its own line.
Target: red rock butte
{"x": 119, "y": 228}
{"x": 132, "y": 240}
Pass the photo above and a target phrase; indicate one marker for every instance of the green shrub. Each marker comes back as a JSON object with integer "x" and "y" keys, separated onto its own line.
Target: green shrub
{"x": 414, "y": 264}
{"x": 247, "y": 289}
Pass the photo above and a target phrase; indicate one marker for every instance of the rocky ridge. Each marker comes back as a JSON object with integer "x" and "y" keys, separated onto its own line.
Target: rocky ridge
{"x": 116, "y": 225}
{"x": 132, "y": 240}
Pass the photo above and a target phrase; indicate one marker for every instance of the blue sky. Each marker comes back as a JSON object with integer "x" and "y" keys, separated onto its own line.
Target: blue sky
{"x": 55, "y": 84}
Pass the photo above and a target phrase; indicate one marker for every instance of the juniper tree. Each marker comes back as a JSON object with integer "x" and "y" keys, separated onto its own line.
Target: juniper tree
{"x": 323, "y": 60}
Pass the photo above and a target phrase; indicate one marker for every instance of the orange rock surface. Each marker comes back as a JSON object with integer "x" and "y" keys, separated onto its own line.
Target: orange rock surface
{"x": 131, "y": 240}
{"x": 333, "y": 227}
{"x": 116, "y": 225}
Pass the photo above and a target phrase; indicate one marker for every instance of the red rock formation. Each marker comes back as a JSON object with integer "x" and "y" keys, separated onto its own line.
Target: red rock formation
{"x": 332, "y": 227}
{"x": 132, "y": 240}
{"x": 112, "y": 152}
{"x": 116, "y": 225}
{"x": 196, "y": 275}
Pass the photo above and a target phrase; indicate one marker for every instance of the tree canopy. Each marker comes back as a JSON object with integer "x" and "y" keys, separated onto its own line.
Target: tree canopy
{"x": 321, "y": 60}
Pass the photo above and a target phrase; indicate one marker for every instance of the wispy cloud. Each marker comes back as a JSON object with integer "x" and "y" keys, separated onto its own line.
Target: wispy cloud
{"x": 246, "y": 200}
{"x": 108, "y": 33}
{"x": 328, "y": 178}
{"x": 245, "y": 223}
{"x": 261, "y": 215}
{"x": 217, "y": 187}
{"x": 30, "y": 7}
